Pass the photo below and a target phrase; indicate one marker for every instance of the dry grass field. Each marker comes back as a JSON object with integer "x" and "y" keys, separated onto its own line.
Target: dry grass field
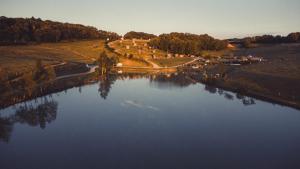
{"x": 21, "y": 59}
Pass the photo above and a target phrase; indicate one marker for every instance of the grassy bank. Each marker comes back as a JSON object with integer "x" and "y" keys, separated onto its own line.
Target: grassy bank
{"x": 277, "y": 79}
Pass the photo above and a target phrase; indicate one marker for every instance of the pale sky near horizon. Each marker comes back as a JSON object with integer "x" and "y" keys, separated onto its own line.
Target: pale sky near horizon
{"x": 219, "y": 18}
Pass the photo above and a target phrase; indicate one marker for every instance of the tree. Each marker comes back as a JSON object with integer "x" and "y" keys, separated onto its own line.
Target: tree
{"x": 138, "y": 35}
{"x": 247, "y": 43}
{"x": 105, "y": 62}
{"x": 42, "y": 73}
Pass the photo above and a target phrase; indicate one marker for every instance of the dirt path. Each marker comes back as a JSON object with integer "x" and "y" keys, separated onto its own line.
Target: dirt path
{"x": 154, "y": 65}
{"x": 92, "y": 70}
{"x": 185, "y": 63}
{"x": 58, "y": 64}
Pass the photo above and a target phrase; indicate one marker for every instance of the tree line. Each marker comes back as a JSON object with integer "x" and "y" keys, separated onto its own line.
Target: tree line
{"x": 24, "y": 30}
{"x": 270, "y": 39}
{"x": 185, "y": 43}
{"x": 139, "y": 35}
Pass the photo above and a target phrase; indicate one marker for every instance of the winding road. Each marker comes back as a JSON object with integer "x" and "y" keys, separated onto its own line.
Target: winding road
{"x": 155, "y": 66}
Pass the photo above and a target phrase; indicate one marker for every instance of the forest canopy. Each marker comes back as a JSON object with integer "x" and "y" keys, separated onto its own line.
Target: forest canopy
{"x": 24, "y": 30}
{"x": 185, "y": 43}
{"x": 139, "y": 35}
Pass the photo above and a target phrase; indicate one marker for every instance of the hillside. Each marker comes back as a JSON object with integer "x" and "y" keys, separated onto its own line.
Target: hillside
{"x": 139, "y": 50}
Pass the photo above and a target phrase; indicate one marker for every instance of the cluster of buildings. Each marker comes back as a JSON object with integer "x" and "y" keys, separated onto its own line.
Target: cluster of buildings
{"x": 241, "y": 60}
{"x": 227, "y": 60}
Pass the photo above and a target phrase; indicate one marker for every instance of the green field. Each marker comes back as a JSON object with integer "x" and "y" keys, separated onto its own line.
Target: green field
{"x": 172, "y": 62}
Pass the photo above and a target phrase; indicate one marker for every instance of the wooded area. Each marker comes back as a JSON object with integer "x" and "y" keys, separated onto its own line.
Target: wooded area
{"x": 185, "y": 43}
{"x": 270, "y": 39}
{"x": 139, "y": 35}
{"x": 24, "y": 30}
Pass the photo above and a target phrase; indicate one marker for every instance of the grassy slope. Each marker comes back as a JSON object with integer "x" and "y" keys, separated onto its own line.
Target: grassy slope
{"x": 172, "y": 62}
{"x": 143, "y": 52}
{"x": 19, "y": 59}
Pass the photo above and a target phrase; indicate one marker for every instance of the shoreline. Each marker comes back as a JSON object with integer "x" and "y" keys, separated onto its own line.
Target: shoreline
{"x": 256, "y": 95}
{"x": 85, "y": 78}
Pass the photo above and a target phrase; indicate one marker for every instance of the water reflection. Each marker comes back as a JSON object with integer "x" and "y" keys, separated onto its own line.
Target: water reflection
{"x": 247, "y": 101}
{"x": 138, "y": 104}
{"x": 167, "y": 81}
{"x": 40, "y": 113}
{"x": 107, "y": 78}
{"x": 106, "y": 81}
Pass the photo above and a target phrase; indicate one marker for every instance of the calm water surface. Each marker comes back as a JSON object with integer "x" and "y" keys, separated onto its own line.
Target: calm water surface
{"x": 142, "y": 123}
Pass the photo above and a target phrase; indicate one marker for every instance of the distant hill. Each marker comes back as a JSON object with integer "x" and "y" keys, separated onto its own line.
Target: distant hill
{"x": 24, "y": 30}
{"x": 267, "y": 39}
{"x": 139, "y": 35}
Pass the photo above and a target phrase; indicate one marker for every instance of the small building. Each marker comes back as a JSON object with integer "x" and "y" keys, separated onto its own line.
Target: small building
{"x": 119, "y": 64}
{"x": 127, "y": 47}
{"x": 195, "y": 67}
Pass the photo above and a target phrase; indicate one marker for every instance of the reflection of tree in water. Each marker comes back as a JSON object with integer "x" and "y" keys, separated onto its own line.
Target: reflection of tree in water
{"x": 6, "y": 127}
{"x": 211, "y": 89}
{"x": 105, "y": 82}
{"x": 38, "y": 115}
{"x": 246, "y": 100}
{"x": 171, "y": 80}
{"x": 229, "y": 96}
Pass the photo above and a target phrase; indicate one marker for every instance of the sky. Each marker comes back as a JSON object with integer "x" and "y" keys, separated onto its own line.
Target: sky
{"x": 219, "y": 18}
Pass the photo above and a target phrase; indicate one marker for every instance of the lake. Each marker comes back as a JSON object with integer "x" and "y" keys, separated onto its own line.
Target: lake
{"x": 150, "y": 122}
